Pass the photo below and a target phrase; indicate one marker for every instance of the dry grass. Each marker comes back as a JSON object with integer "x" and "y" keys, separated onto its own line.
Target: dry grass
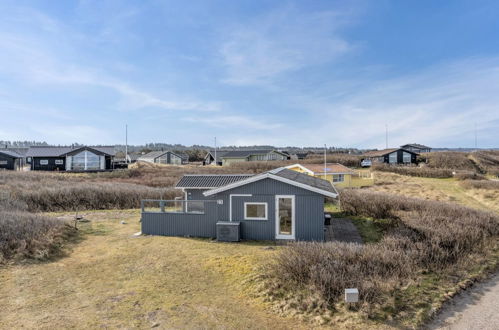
{"x": 425, "y": 237}
{"x": 483, "y": 184}
{"x": 25, "y": 235}
{"x": 38, "y": 191}
{"x": 449, "y": 160}
{"x": 487, "y": 161}
{"x": 425, "y": 172}
{"x": 113, "y": 280}
{"x": 445, "y": 190}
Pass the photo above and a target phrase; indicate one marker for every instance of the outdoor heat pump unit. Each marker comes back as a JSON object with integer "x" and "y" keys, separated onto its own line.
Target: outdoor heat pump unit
{"x": 228, "y": 231}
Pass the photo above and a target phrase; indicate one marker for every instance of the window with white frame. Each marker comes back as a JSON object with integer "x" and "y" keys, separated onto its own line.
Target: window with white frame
{"x": 338, "y": 177}
{"x": 392, "y": 158}
{"x": 255, "y": 211}
{"x": 44, "y": 161}
{"x": 406, "y": 157}
{"x": 3, "y": 162}
{"x": 59, "y": 162}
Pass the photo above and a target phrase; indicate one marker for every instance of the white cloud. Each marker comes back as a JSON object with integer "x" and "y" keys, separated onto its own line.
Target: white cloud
{"x": 50, "y": 58}
{"x": 236, "y": 122}
{"x": 280, "y": 42}
{"x": 437, "y": 106}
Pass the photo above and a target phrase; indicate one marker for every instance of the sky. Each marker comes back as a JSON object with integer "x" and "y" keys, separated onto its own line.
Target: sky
{"x": 282, "y": 73}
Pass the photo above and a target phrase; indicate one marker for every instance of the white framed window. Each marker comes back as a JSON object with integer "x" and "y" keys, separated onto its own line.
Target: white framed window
{"x": 28, "y": 159}
{"x": 392, "y": 158}
{"x": 338, "y": 177}
{"x": 406, "y": 157}
{"x": 44, "y": 161}
{"x": 255, "y": 211}
{"x": 3, "y": 162}
{"x": 59, "y": 162}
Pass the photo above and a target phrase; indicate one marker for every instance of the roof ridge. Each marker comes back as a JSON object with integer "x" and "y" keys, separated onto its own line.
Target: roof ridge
{"x": 211, "y": 174}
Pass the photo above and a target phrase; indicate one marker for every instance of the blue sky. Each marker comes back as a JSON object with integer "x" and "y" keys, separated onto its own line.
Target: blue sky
{"x": 300, "y": 73}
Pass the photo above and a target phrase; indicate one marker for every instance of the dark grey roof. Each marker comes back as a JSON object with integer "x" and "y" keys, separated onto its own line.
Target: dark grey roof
{"x": 416, "y": 145}
{"x": 246, "y": 153}
{"x": 209, "y": 181}
{"x": 10, "y": 153}
{"x": 38, "y": 151}
{"x": 304, "y": 179}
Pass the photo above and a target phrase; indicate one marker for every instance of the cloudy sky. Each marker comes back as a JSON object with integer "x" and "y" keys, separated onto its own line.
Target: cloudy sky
{"x": 300, "y": 73}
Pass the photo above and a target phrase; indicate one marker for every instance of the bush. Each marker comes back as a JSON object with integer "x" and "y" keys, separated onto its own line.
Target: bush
{"x": 424, "y": 236}
{"x": 488, "y": 161}
{"x": 484, "y": 184}
{"x": 26, "y": 235}
{"x": 425, "y": 172}
{"x": 453, "y": 160}
{"x": 469, "y": 176}
{"x": 48, "y": 192}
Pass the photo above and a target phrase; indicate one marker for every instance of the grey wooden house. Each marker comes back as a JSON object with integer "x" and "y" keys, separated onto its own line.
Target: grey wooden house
{"x": 164, "y": 157}
{"x": 274, "y": 205}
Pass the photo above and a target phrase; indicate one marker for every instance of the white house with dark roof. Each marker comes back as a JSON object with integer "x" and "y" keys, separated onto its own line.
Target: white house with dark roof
{"x": 276, "y": 205}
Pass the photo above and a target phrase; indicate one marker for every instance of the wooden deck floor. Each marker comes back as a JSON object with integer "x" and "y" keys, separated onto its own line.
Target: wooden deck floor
{"x": 342, "y": 230}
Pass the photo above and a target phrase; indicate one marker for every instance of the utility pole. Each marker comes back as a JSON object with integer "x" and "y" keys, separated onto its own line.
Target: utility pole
{"x": 216, "y": 164}
{"x": 325, "y": 166}
{"x": 476, "y": 138}
{"x": 386, "y": 135}
{"x": 126, "y": 143}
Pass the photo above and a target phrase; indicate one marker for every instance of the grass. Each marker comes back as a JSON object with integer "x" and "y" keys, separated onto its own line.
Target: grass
{"x": 445, "y": 190}
{"x": 111, "y": 279}
{"x": 425, "y": 245}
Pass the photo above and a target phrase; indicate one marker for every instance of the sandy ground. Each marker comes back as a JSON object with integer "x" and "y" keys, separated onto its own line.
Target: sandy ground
{"x": 476, "y": 308}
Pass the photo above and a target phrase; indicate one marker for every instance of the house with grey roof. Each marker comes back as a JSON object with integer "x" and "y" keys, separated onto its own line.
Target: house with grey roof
{"x": 280, "y": 204}
{"x": 11, "y": 160}
{"x": 237, "y": 156}
{"x": 391, "y": 156}
{"x": 72, "y": 158}
{"x": 416, "y": 147}
{"x": 164, "y": 157}
{"x": 213, "y": 157}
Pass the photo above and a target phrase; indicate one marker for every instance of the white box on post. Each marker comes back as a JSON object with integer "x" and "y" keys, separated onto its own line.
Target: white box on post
{"x": 351, "y": 295}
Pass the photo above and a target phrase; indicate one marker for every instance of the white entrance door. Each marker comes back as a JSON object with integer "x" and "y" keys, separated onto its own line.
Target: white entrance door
{"x": 285, "y": 216}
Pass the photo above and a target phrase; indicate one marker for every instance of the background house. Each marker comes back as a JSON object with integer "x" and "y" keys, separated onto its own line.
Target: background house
{"x": 391, "y": 156}
{"x": 70, "y": 158}
{"x": 339, "y": 175}
{"x": 209, "y": 159}
{"x": 11, "y": 160}
{"x": 415, "y": 147}
{"x": 278, "y": 204}
{"x": 237, "y": 156}
{"x": 164, "y": 157}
